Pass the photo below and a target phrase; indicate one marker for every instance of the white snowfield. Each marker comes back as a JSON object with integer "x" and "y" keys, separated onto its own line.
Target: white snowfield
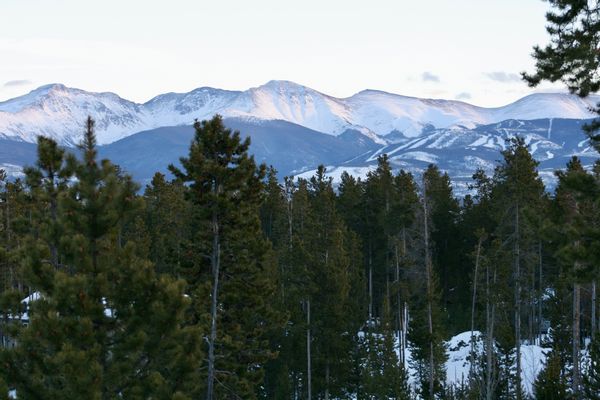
{"x": 59, "y": 112}
{"x": 458, "y": 365}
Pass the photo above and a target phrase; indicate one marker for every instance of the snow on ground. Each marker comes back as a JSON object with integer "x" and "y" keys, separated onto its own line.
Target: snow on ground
{"x": 457, "y": 367}
{"x": 336, "y": 172}
{"x": 12, "y": 170}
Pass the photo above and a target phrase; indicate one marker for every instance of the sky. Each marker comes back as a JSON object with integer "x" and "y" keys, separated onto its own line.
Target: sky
{"x": 470, "y": 50}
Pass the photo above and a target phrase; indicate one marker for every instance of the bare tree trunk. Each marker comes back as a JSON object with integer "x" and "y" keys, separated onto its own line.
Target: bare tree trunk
{"x": 370, "y": 283}
{"x": 593, "y": 313}
{"x": 532, "y": 307}
{"x": 541, "y": 293}
{"x": 490, "y": 317}
{"x": 215, "y": 264}
{"x": 11, "y": 271}
{"x": 428, "y": 278}
{"x": 398, "y": 305}
{"x": 517, "y": 273}
{"x": 473, "y": 302}
{"x": 576, "y": 382}
{"x": 308, "y": 356}
{"x": 327, "y": 381}
{"x": 404, "y": 331}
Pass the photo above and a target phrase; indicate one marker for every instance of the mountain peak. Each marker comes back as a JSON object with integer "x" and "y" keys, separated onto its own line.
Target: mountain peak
{"x": 17, "y": 104}
{"x": 57, "y": 111}
{"x": 281, "y": 83}
{"x": 49, "y": 87}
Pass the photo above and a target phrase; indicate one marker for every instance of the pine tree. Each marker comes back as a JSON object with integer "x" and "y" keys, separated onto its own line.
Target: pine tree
{"x": 550, "y": 383}
{"x": 518, "y": 194}
{"x": 272, "y": 210}
{"x": 101, "y": 323}
{"x": 591, "y": 379}
{"x": 333, "y": 273}
{"x": 233, "y": 278}
{"x": 404, "y": 240}
{"x": 425, "y": 332}
{"x": 572, "y": 56}
{"x": 166, "y": 219}
{"x": 574, "y": 197}
{"x": 15, "y": 207}
{"x": 377, "y": 204}
{"x": 445, "y": 239}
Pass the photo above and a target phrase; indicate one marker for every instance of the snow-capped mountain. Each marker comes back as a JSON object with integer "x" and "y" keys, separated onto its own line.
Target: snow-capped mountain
{"x": 296, "y": 150}
{"x": 59, "y": 112}
{"x": 461, "y": 151}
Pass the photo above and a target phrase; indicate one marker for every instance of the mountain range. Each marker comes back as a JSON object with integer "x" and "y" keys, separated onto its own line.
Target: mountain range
{"x": 295, "y": 128}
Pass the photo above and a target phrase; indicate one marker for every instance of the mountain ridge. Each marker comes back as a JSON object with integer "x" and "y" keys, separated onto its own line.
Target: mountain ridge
{"x": 58, "y": 111}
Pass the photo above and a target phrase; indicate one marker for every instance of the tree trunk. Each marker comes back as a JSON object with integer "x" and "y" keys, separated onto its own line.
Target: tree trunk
{"x": 327, "y": 381}
{"x": 428, "y": 278}
{"x": 370, "y": 284}
{"x": 517, "y": 273}
{"x": 541, "y": 293}
{"x": 576, "y": 382}
{"x": 473, "y": 302}
{"x": 593, "y": 313}
{"x": 490, "y": 317}
{"x": 399, "y": 306}
{"x": 215, "y": 264}
{"x": 308, "y": 356}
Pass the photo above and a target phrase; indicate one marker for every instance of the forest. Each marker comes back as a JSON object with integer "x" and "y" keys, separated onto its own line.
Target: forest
{"x": 224, "y": 281}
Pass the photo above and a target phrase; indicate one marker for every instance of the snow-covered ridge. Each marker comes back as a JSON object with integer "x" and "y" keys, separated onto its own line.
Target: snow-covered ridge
{"x": 58, "y": 111}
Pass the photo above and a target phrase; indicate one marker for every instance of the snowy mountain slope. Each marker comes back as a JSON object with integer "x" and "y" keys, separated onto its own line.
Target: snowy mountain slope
{"x": 290, "y": 148}
{"x": 59, "y": 112}
{"x": 297, "y": 150}
{"x": 384, "y": 112}
{"x": 172, "y": 109}
{"x": 461, "y": 151}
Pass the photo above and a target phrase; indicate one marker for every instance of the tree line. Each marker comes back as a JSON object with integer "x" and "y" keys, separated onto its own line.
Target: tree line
{"x": 224, "y": 282}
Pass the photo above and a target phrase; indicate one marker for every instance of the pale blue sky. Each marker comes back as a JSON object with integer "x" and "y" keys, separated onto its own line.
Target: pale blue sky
{"x": 467, "y": 49}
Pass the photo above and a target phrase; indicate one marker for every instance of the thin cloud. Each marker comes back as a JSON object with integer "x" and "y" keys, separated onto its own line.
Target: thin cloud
{"x": 429, "y": 77}
{"x": 16, "y": 83}
{"x": 504, "y": 77}
{"x": 463, "y": 96}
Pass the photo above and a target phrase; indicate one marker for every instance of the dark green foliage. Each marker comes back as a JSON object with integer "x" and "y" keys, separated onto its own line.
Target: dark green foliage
{"x": 229, "y": 266}
{"x": 551, "y": 383}
{"x": 166, "y": 221}
{"x": 104, "y": 324}
{"x": 422, "y": 342}
{"x": 572, "y": 56}
{"x": 383, "y": 267}
{"x": 383, "y": 375}
{"x": 591, "y": 379}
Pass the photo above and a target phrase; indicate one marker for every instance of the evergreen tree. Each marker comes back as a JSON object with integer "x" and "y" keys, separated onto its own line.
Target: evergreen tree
{"x": 101, "y": 323}
{"x": 232, "y": 276}
{"x": 445, "y": 239}
{"x": 425, "y": 332}
{"x": 333, "y": 272}
{"x": 572, "y": 56}
{"x": 550, "y": 383}
{"x": 383, "y": 374}
{"x": 403, "y": 242}
{"x": 166, "y": 221}
{"x": 518, "y": 194}
{"x": 377, "y": 204}
{"x": 574, "y": 196}
{"x": 591, "y": 379}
